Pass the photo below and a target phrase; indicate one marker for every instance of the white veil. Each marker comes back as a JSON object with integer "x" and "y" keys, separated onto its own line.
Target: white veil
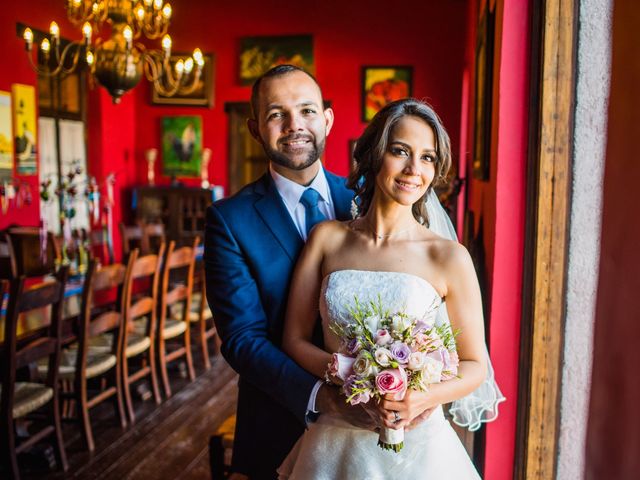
{"x": 481, "y": 405}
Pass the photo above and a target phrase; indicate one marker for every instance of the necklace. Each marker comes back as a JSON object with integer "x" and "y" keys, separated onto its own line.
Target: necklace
{"x": 387, "y": 235}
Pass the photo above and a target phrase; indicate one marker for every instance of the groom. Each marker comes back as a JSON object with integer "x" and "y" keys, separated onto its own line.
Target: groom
{"x": 253, "y": 240}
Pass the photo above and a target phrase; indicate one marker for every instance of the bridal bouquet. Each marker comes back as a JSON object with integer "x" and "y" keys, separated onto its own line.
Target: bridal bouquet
{"x": 386, "y": 352}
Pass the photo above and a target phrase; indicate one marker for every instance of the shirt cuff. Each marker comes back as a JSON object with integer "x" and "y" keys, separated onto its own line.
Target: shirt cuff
{"x": 312, "y": 412}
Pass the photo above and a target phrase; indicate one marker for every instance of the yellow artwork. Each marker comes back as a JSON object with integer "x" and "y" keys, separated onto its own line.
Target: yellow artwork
{"x": 24, "y": 124}
{"x": 6, "y": 137}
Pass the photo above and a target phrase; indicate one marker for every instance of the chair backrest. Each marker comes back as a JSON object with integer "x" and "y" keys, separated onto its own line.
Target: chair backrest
{"x": 142, "y": 292}
{"x": 132, "y": 236}
{"x": 8, "y": 268}
{"x": 100, "y": 245}
{"x": 103, "y": 306}
{"x": 177, "y": 277}
{"x": 154, "y": 236}
{"x": 27, "y": 248}
{"x": 35, "y": 344}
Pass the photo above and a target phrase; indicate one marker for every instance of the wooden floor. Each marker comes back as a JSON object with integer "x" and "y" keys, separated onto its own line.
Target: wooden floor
{"x": 169, "y": 441}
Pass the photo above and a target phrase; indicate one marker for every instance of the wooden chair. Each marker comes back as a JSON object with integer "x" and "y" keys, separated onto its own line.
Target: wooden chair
{"x": 8, "y": 267}
{"x": 201, "y": 317}
{"x": 26, "y": 244}
{"x": 97, "y": 355}
{"x": 221, "y": 448}
{"x": 19, "y": 399}
{"x": 141, "y": 311}
{"x": 146, "y": 237}
{"x": 177, "y": 285}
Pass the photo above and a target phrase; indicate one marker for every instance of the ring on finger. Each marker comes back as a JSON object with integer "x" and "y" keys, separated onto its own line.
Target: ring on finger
{"x": 396, "y": 417}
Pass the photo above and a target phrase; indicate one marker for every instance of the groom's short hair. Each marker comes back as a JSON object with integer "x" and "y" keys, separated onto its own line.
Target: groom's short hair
{"x": 277, "y": 71}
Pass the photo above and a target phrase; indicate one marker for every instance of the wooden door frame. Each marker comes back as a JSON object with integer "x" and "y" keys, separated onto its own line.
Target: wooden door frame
{"x": 553, "y": 74}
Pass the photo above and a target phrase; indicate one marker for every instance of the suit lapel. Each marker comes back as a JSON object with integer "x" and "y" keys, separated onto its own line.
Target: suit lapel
{"x": 340, "y": 195}
{"x": 274, "y": 213}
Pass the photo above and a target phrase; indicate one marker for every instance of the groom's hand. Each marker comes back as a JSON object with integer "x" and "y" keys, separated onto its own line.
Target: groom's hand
{"x": 329, "y": 400}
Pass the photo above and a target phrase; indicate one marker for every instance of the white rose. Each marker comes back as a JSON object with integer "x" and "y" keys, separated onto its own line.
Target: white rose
{"x": 364, "y": 367}
{"x": 373, "y": 323}
{"x": 431, "y": 371}
{"x": 400, "y": 323}
{"x": 416, "y": 360}
{"x": 383, "y": 357}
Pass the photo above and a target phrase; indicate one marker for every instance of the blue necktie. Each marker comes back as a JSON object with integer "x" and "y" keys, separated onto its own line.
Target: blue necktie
{"x": 312, "y": 215}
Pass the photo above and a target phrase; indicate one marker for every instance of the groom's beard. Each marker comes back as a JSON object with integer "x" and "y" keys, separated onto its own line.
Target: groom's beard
{"x": 284, "y": 160}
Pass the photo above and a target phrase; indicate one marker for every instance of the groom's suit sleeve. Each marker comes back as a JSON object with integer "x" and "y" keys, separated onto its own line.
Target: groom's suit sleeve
{"x": 241, "y": 322}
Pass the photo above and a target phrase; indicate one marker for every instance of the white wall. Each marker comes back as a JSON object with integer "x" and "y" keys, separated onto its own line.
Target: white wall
{"x": 592, "y": 92}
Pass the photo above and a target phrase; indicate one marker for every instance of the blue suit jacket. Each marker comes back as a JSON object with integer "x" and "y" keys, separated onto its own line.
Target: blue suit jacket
{"x": 251, "y": 247}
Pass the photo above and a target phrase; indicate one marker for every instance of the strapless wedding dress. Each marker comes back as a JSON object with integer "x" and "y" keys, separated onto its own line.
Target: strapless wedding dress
{"x": 332, "y": 449}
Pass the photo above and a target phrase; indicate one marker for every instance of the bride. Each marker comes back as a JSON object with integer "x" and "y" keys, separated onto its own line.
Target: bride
{"x": 386, "y": 252}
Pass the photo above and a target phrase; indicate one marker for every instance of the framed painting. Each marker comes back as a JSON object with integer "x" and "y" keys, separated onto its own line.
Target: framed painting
{"x": 24, "y": 127}
{"x": 6, "y": 137}
{"x": 483, "y": 96}
{"x": 381, "y": 85}
{"x": 259, "y": 54}
{"x": 181, "y": 146}
{"x": 201, "y": 96}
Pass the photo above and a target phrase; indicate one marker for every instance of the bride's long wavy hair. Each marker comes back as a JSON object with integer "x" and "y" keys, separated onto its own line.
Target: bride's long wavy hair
{"x": 373, "y": 144}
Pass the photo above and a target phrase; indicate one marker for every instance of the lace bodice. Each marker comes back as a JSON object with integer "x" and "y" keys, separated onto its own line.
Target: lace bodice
{"x": 397, "y": 291}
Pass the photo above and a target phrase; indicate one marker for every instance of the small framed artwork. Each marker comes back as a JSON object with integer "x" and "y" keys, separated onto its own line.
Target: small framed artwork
{"x": 181, "y": 146}
{"x": 259, "y": 54}
{"x": 382, "y": 85}
{"x": 6, "y": 137}
{"x": 201, "y": 96}
{"x": 483, "y": 97}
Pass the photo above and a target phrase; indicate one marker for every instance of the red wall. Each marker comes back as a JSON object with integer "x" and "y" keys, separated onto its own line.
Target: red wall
{"x": 499, "y": 204}
{"x": 346, "y": 36}
{"x": 429, "y": 36}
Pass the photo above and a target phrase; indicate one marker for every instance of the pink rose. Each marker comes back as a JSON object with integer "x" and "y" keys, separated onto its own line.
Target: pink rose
{"x": 341, "y": 366}
{"x": 383, "y": 337}
{"x": 393, "y": 381}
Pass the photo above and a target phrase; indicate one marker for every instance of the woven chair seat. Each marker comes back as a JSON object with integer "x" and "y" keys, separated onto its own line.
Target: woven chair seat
{"x": 136, "y": 344}
{"x": 173, "y": 328}
{"x": 98, "y": 362}
{"x": 28, "y": 397}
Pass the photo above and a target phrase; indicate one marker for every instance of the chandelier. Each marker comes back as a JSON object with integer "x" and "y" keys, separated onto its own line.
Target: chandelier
{"x": 117, "y": 61}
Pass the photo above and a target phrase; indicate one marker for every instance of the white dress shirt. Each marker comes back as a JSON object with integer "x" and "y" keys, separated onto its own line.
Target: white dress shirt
{"x": 291, "y": 192}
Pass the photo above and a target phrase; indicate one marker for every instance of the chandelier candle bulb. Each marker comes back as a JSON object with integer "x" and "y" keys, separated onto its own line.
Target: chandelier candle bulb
{"x": 197, "y": 56}
{"x": 166, "y": 43}
{"x": 166, "y": 11}
{"x": 54, "y": 30}
{"x": 86, "y": 32}
{"x": 28, "y": 38}
{"x": 157, "y": 4}
{"x": 188, "y": 65}
{"x": 45, "y": 46}
{"x": 140, "y": 13}
{"x": 127, "y": 33}
{"x": 89, "y": 58}
{"x": 179, "y": 67}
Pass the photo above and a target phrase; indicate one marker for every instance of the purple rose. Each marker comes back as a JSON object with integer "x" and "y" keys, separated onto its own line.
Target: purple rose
{"x": 400, "y": 351}
{"x": 353, "y": 346}
{"x": 420, "y": 327}
{"x": 363, "y": 396}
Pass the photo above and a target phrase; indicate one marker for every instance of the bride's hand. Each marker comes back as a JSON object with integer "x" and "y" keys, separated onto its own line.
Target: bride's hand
{"x": 415, "y": 405}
